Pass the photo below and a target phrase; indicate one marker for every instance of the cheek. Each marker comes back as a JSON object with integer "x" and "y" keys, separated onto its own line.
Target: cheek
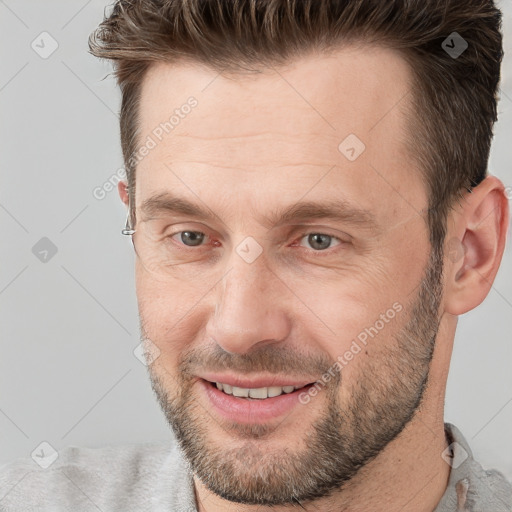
{"x": 356, "y": 327}
{"x": 360, "y": 314}
{"x": 164, "y": 302}
{"x": 159, "y": 311}
{"x": 172, "y": 316}
{"x": 364, "y": 342}
{"x": 354, "y": 298}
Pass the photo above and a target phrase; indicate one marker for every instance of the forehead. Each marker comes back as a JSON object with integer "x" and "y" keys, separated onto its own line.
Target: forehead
{"x": 283, "y": 127}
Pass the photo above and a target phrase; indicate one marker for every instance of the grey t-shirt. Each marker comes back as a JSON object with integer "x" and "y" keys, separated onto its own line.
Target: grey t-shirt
{"x": 154, "y": 477}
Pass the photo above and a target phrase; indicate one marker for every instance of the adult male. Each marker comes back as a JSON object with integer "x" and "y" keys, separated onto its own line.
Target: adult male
{"x": 309, "y": 203}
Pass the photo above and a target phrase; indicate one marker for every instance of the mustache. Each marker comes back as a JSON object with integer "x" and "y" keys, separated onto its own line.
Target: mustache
{"x": 278, "y": 360}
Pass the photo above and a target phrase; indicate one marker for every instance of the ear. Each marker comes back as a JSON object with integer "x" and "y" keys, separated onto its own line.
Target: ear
{"x": 474, "y": 245}
{"x": 122, "y": 188}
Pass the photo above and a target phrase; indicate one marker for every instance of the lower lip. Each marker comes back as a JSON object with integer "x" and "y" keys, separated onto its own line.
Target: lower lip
{"x": 245, "y": 410}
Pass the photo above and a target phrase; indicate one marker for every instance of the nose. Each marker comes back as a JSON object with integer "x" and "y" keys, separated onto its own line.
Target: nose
{"x": 250, "y": 307}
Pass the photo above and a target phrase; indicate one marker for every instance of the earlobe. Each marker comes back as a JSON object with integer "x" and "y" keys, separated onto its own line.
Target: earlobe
{"x": 475, "y": 247}
{"x": 122, "y": 188}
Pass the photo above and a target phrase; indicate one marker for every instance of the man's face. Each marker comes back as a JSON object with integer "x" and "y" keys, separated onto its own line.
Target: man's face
{"x": 248, "y": 295}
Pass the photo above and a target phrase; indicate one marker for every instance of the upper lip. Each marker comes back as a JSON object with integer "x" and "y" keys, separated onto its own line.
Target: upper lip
{"x": 256, "y": 382}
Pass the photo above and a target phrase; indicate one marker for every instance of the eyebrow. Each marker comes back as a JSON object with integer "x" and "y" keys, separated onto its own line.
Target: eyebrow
{"x": 336, "y": 210}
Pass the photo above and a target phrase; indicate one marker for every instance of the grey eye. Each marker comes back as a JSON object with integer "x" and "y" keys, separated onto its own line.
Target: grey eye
{"x": 319, "y": 241}
{"x": 192, "y": 238}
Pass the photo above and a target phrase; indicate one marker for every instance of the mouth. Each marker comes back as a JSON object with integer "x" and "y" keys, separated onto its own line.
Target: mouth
{"x": 262, "y": 393}
{"x": 255, "y": 405}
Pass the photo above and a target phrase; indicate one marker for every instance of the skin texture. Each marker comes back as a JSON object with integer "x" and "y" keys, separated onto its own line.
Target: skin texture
{"x": 372, "y": 438}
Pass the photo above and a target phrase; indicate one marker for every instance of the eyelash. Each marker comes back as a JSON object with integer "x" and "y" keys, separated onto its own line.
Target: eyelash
{"x": 317, "y": 253}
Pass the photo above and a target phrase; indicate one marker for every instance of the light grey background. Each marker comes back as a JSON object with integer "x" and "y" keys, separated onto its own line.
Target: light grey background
{"x": 69, "y": 326}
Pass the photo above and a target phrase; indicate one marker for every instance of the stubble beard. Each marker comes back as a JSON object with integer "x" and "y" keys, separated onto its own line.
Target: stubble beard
{"x": 346, "y": 436}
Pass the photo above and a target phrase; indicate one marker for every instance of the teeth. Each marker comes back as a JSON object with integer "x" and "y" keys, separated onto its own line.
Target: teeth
{"x": 259, "y": 393}
{"x": 240, "y": 392}
{"x": 274, "y": 391}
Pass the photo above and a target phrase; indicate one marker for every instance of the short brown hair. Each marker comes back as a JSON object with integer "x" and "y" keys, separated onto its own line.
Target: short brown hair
{"x": 453, "y": 101}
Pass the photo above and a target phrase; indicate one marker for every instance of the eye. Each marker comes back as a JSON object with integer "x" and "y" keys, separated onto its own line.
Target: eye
{"x": 319, "y": 241}
{"x": 189, "y": 238}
